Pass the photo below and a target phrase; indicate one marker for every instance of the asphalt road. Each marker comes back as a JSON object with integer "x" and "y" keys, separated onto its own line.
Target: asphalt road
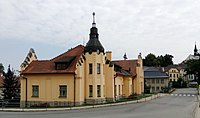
{"x": 180, "y": 104}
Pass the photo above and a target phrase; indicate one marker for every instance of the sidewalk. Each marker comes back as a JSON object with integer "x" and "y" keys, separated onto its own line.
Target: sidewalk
{"x": 197, "y": 114}
{"x": 83, "y": 107}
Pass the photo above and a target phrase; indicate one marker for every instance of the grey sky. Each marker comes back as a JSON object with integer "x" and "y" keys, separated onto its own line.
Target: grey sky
{"x": 52, "y": 27}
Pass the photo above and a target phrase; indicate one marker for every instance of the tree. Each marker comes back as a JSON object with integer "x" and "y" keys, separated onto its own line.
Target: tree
{"x": 150, "y": 60}
{"x": 193, "y": 67}
{"x": 1, "y": 68}
{"x": 163, "y": 61}
{"x": 10, "y": 85}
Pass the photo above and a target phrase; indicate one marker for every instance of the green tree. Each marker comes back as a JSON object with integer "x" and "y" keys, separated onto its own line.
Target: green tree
{"x": 10, "y": 85}
{"x": 151, "y": 60}
{"x": 193, "y": 67}
{"x": 163, "y": 61}
{"x": 1, "y": 68}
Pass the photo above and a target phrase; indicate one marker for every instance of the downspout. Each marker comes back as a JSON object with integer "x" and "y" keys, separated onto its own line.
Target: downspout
{"x": 114, "y": 86}
{"x": 74, "y": 89}
{"x": 26, "y": 96}
{"x": 26, "y": 92}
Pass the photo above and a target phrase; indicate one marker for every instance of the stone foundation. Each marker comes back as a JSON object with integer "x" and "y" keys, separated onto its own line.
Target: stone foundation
{"x": 95, "y": 101}
{"x": 49, "y": 104}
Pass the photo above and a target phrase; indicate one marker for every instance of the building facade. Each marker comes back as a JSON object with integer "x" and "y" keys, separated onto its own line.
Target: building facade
{"x": 156, "y": 79}
{"x": 82, "y": 75}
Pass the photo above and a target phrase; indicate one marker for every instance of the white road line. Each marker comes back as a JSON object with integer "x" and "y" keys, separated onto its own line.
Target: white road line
{"x": 172, "y": 94}
{"x": 184, "y": 95}
{"x": 192, "y": 95}
{"x": 188, "y": 95}
{"x": 175, "y": 94}
{"x": 180, "y": 94}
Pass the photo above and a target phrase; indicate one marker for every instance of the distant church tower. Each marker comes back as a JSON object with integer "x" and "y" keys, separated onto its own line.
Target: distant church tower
{"x": 195, "y": 50}
{"x": 95, "y": 59}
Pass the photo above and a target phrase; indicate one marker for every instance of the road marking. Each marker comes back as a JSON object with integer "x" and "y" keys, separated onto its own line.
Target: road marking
{"x": 188, "y": 95}
{"x": 192, "y": 95}
{"x": 172, "y": 94}
{"x": 175, "y": 94}
{"x": 184, "y": 95}
{"x": 180, "y": 94}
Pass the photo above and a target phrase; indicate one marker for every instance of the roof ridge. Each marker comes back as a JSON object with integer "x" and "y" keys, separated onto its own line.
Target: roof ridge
{"x": 67, "y": 51}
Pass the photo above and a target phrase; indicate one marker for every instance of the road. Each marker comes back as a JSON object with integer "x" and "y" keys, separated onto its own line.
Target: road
{"x": 180, "y": 104}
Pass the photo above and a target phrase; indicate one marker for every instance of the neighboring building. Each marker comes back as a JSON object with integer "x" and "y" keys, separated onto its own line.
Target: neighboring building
{"x": 173, "y": 71}
{"x": 156, "y": 79}
{"x": 84, "y": 74}
{"x": 195, "y": 56}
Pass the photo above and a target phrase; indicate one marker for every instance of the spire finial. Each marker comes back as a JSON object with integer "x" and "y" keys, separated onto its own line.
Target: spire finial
{"x": 93, "y": 17}
{"x": 93, "y": 24}
{"x": 125, "y": 57}
{"x": 195, "y": 50}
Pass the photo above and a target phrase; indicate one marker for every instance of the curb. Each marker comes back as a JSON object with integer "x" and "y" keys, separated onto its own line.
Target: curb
{"x": 85, "y": 107}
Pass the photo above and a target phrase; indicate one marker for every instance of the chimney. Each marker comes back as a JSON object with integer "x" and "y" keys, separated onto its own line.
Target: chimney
{"x": 109, "y": 55}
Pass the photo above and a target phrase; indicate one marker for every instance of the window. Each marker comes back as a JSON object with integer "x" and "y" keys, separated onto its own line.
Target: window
{"x": 157, "y": 88}
{"x": 61, "y": 66}
{"x": 157, "y": 81}
{"x": 174, "y": 75}
{"x": 63, "y": 91}
{"x": 90, "y": 68}
{"x": 153, "y": 88}
{"x": 162, "y": 81}
{"x": 35, "y": 91}
{"x": 98, "y": 90}
{"x": 170, "y": 80}
{"x": 90, "y": 91}
{"x": 153, "y": 81}
{"x": 177, "y": 75}
{"x": 98, "y": 68}
{"x": 170, "y": 75}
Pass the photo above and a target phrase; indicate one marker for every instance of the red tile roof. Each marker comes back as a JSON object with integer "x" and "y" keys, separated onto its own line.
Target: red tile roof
{"x": 128, "y": 65}
{"x": 48, "y": 66}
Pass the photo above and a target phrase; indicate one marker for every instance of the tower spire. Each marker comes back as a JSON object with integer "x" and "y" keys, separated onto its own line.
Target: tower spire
{"x": 94, "y": 45}
{"x": 195, "y": 50}
{"x": 93, "y": 24}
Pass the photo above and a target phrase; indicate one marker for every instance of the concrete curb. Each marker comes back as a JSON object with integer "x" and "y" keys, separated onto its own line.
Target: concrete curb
{"x": 85, "y": 107}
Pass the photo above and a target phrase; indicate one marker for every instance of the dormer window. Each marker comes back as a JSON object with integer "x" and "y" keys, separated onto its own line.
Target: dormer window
{"x": 63, "y": 63}
{"x": 61, "y": 66}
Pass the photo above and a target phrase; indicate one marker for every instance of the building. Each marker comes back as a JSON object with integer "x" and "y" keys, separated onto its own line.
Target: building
{"x": 82, "y": 75}
{"x": 156, "y": 79}
{"x": 195, "y": 56}
{"x": 173, "y": 71}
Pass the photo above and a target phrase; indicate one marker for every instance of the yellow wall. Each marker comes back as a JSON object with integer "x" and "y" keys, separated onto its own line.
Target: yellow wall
{"x": 127, "y": 87}
{"x": 109, "y": 81}
{"x": 118, "y": 86}
{"x": 94, "y": 78}
{"x": 139, "y": 79}
{"x": 48, "y": 87}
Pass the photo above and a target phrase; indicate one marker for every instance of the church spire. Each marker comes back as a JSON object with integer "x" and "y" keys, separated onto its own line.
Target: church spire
{"x": 195, "y": 50}
{"x": 94, "y": 45}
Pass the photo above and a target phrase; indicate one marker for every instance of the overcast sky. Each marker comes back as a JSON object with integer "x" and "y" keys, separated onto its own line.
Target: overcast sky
{"x": 51, "y": 27}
